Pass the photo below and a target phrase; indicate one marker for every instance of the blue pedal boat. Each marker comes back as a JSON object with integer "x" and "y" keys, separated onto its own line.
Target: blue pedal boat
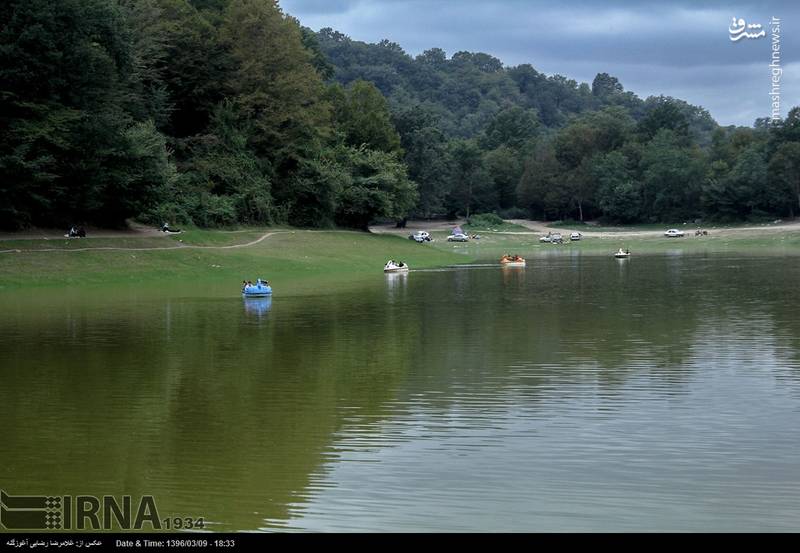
{"x": 261, "y": 289}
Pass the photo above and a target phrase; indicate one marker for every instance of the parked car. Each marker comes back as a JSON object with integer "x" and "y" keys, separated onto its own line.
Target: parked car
{"x": 575, "y": 236}
{"x": 552, "y": 238}
{"x": 420, "y": 236}
{"x": 458, "y": 238}
{"x": 674, "y": 233}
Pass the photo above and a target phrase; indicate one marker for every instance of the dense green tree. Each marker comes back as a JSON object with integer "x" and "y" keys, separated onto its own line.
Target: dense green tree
{"x": 740, "y": 191}
{"x": 65, "y": 133}
{"x": 375, "y": 185}
{"x": 604, "y": 85}
{"x": 504, "y": 165}
{"x": 362, "y": 114}
{"x": 470, "y": 186}
{"x": 671, "y": 177}
{"x": 663, "y": 113}
{"x": 514, "y": 127}
{"x": 427, "y": 157}
{"x": 784, "y": 167}
{"x": 618, "y": 193}
{"x": 539, "y": 187}
{"x": 275, "y": 84}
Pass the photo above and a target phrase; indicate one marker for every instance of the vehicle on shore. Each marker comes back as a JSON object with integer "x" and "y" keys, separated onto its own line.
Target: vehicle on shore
{"x": 674, "y": 233}
{"x": 261, "y": 289}
{"x": 421, "y": 236}
{"x": 393, "y": 266}
{"x": 575, "y": 236}
{"x": 552, "y": 238}
{"x": 512, "y": 261}
{"x": 458, "y": 238}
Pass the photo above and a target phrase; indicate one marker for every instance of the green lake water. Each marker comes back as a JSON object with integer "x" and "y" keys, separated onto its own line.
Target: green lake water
{"x": 579, "y": 394}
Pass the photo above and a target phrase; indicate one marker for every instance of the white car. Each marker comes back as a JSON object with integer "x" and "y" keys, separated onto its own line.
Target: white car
{"x": 458, "y": 238}
{"x": 420, "y": 236}
{"x": 575, "y": 236}
{"x": 553, "y": 238}
{"x": 674, "y": 233}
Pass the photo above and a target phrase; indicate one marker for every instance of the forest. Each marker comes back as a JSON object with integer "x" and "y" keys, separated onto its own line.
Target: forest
{"x": 229, "y": 112}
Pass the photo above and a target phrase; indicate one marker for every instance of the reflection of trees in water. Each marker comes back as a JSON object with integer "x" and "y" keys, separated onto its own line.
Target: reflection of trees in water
{"x": 228, "y": 417}
{"x": 226, "y": 413}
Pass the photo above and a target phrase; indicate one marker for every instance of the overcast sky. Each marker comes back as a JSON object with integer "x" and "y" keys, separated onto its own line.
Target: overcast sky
{"x": 681, "y": 49}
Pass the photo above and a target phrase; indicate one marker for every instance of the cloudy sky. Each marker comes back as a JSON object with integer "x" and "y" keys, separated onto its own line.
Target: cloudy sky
{"x": 680, "y": 49}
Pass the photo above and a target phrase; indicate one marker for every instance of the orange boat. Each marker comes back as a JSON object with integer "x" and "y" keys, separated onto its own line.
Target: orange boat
{"x": 512, "y": 261}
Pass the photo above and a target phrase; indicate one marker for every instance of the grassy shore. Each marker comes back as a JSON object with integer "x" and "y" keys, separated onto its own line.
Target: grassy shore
{"x": 293, "y": 260}
{"x": 301, "y": 261}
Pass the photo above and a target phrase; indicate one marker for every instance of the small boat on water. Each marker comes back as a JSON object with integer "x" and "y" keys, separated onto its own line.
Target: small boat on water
{"x": 622, "y": 254}
{"x": 393, "y": 266}
{"x": 261, "y": 289}
{"x": 512, "y": 261}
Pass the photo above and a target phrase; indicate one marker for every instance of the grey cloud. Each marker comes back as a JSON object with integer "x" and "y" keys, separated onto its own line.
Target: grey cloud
{"x": 681, "y": 49}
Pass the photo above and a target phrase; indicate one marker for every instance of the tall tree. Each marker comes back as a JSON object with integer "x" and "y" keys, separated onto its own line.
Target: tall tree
{"x": 362, "y": 114}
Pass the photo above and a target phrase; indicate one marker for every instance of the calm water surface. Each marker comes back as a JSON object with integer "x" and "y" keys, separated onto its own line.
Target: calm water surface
{"x": 581, "y": 393}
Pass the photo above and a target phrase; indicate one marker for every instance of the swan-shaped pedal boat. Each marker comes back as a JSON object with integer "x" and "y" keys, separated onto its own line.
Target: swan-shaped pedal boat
{"x": 395, "y": 267}
{"x": 261, "y": 289}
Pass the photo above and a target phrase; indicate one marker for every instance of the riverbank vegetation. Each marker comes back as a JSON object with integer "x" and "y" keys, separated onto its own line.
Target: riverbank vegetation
{"x": 218, "y": 113}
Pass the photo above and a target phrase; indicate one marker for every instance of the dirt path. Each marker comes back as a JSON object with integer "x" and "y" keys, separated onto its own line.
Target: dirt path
{"x": 154, "y": 248}
{"x": 544, "y": 228}
{"x": 541, "y": 228}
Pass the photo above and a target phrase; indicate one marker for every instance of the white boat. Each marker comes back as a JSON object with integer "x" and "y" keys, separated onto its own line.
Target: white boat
{"x": 622, "y": 254}
{"x": 395, "y": 267}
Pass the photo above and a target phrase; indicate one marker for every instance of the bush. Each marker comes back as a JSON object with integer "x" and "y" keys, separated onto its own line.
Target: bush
{"x": 485, "y": 220}
{"x": 214, "y": 211}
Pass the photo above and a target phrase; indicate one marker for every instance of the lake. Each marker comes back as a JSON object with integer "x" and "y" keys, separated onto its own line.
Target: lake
{"x": 583, "y": 393}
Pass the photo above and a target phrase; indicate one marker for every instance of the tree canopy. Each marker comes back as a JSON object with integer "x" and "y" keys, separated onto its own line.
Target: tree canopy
{"x": 223, "y": 112}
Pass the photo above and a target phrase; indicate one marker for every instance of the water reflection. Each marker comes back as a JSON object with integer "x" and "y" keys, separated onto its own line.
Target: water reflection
{"x": 659, "y": 394}
{"x": 396, "y": 285}
{"x": 257, "y": 306}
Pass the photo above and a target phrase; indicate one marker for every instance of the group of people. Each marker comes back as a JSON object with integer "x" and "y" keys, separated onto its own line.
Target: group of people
{"x": 165, "y": 228}
{"x": 259, "y": 281}
{"x": 396, "y": 263}
{"x": 507, "y": 257}
{"x": 76, "y": 232}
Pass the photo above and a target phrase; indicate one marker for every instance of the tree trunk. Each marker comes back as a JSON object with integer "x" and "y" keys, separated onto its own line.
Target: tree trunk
{"x": 580, "y": 211}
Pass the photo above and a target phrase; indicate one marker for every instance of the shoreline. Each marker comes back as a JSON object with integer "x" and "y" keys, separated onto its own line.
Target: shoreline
{"x": 300, "y": 261}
